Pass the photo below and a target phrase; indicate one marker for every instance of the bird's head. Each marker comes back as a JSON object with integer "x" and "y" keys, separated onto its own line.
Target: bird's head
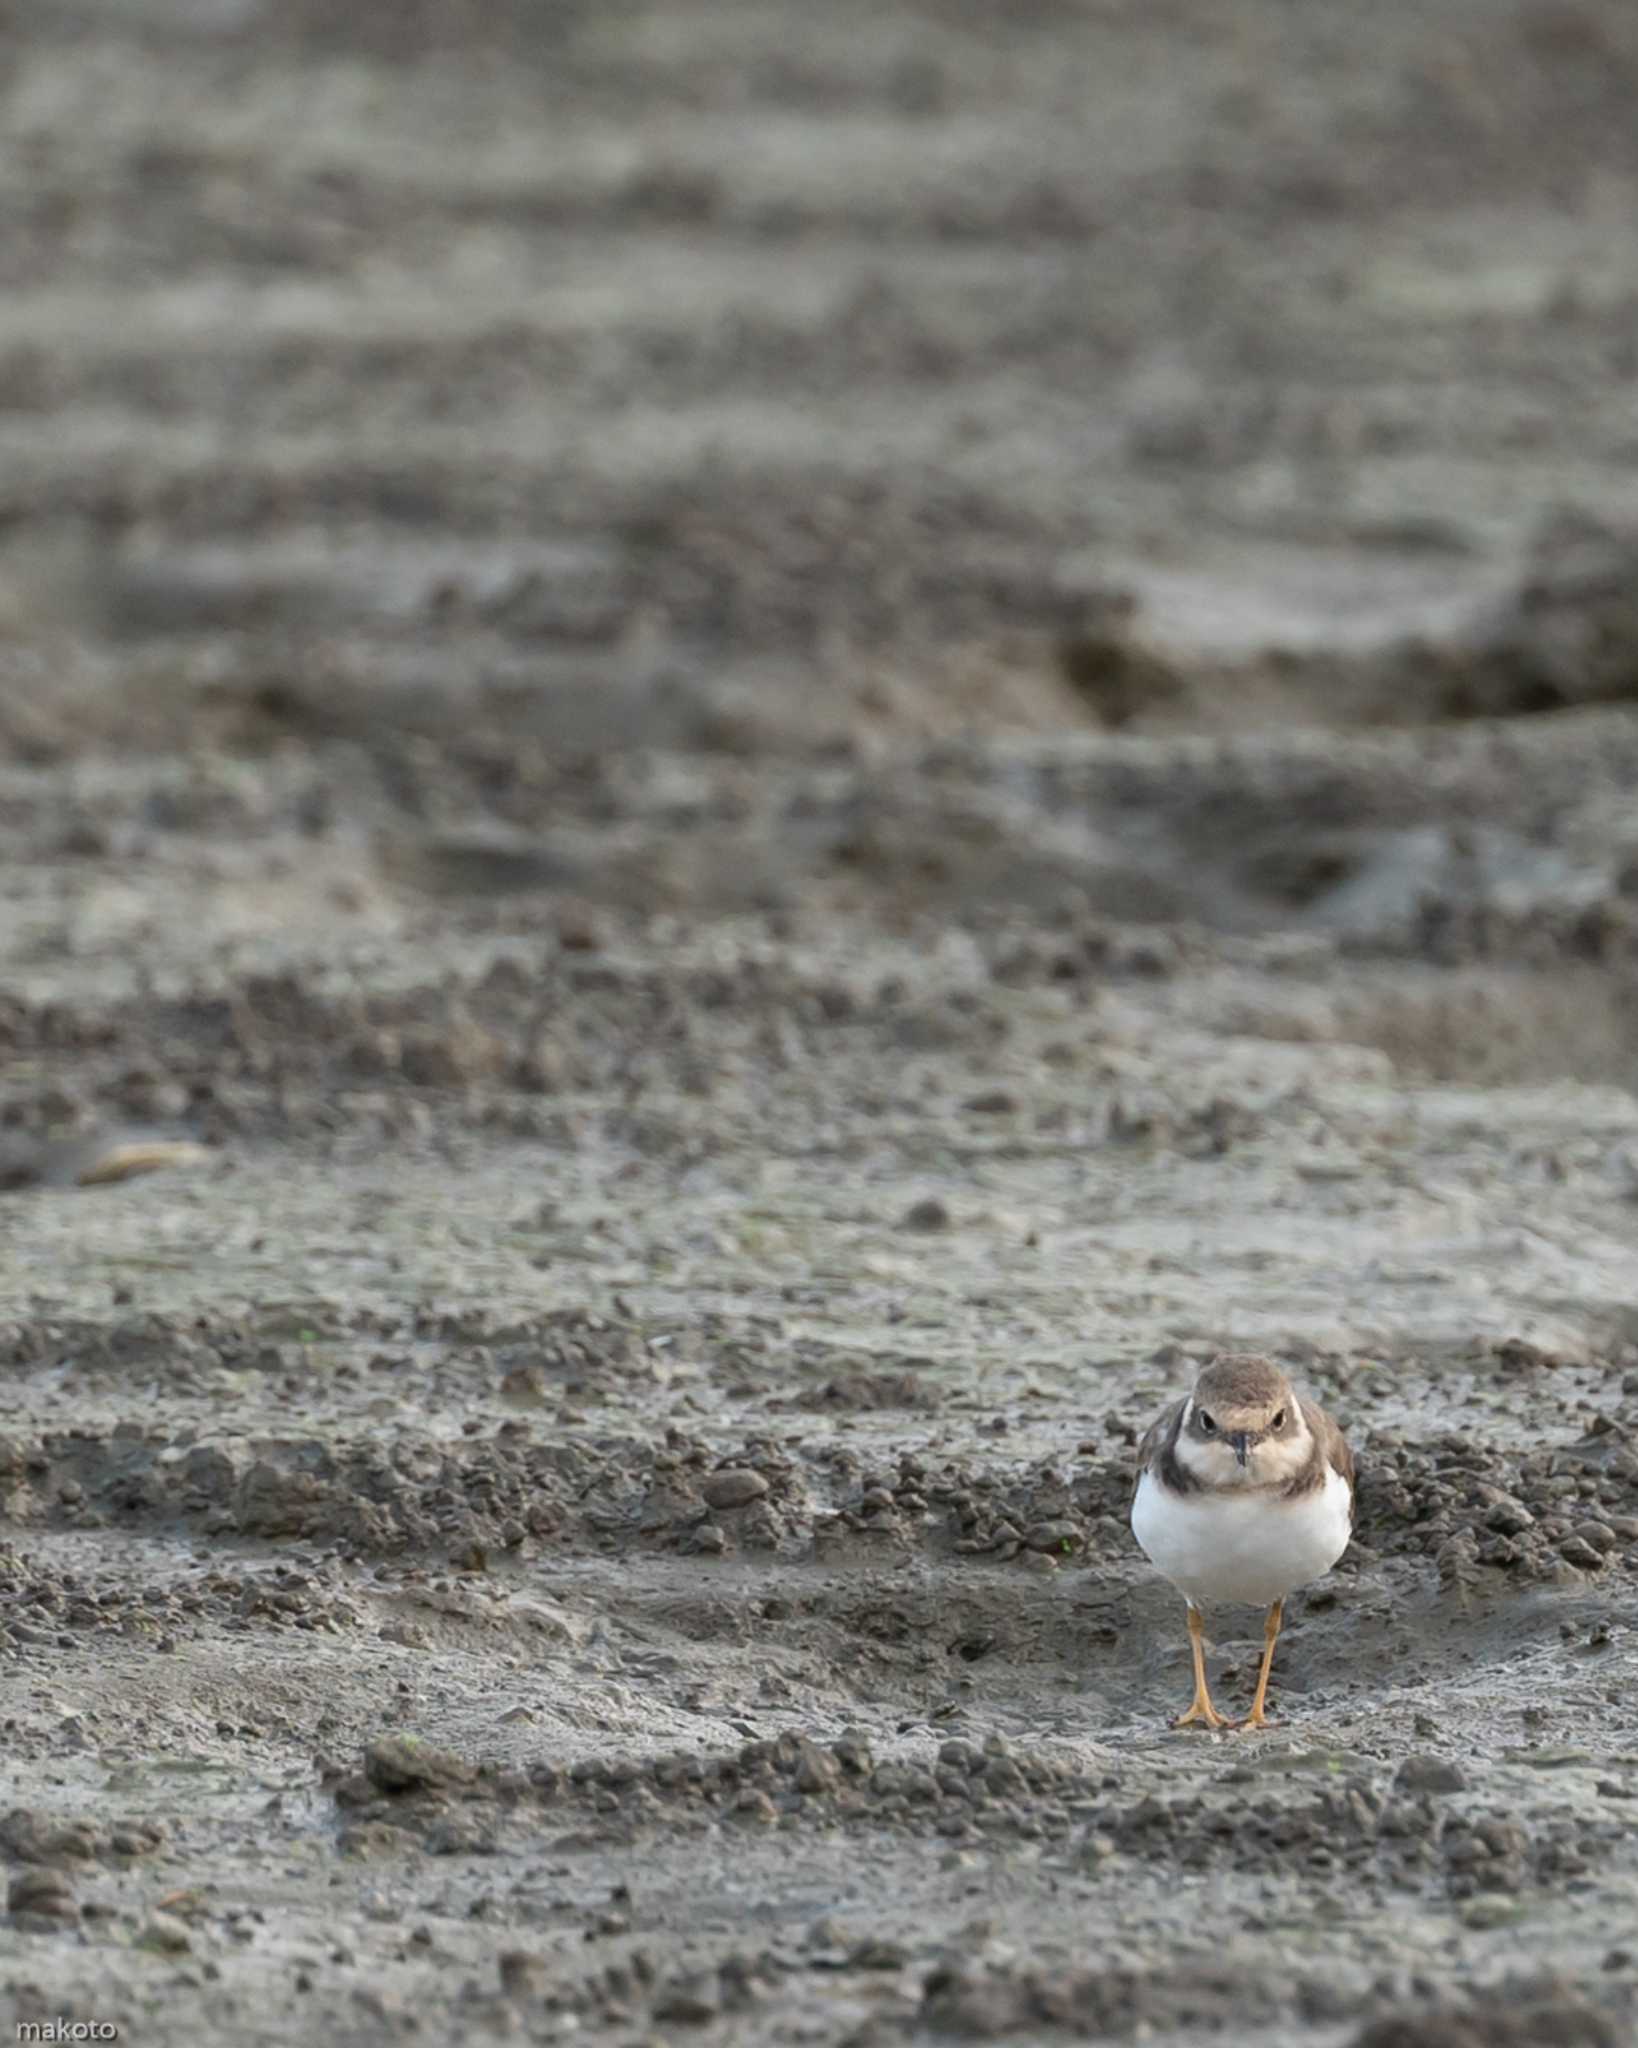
{"x": 1244, "y": 1425}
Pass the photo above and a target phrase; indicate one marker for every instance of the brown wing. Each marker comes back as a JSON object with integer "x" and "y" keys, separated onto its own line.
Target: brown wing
{"x": 1333, "y": 1446}
{"x": 1161, "y": 1433}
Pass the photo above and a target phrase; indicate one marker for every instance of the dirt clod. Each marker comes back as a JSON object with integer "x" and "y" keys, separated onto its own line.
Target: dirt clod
{"x": 733, "y": 1487}
{"x": 43, "y": 1892}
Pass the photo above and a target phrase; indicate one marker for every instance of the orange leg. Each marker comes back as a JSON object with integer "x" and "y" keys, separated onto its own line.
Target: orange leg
{"x": 1271, "y": 1635}
{"x": 1200, "y": 1708}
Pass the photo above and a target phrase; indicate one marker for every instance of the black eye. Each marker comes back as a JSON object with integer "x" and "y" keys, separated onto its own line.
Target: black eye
{"x": 1279, "y": 1418}
{"x": 1207, "y": 1426}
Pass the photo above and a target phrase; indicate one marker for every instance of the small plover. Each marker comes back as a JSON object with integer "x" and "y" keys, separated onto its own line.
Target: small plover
{"x": 1245, "y": 1491}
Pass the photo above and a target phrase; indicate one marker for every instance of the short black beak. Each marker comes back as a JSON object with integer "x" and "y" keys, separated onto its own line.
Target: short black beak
{"x": 1241, "y": 1440}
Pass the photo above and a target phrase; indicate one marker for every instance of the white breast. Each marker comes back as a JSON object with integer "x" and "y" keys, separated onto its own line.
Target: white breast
{"x": 1242, "y": 1546}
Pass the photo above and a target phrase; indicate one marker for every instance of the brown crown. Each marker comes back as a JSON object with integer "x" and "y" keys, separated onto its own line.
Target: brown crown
{"x": 1242, "y": 1379}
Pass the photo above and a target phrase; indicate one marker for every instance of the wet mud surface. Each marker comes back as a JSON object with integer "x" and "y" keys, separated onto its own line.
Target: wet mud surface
{"x": 750, "y": 760}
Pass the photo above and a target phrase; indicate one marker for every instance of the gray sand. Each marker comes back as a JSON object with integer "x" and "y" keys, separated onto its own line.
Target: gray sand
{"x": 809, "y": 740}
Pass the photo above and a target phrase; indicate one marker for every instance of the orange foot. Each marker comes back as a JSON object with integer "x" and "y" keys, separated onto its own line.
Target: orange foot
{"x": 1257, "y": 1718}
{"x": 1200, "y": 1708}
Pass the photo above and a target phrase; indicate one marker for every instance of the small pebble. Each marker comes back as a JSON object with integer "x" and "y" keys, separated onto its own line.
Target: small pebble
{"x": 929, "y": 1214}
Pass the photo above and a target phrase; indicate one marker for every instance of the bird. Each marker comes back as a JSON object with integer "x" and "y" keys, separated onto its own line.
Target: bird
{"x": 1245, "y": 1491}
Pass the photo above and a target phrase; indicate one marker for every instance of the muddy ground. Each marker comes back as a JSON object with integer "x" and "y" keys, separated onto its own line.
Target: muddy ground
{"x": 804, "y": 741}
